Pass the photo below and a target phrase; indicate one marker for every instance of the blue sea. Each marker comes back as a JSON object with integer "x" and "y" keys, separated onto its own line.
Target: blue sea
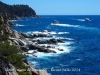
{"x": 82, "y": 48}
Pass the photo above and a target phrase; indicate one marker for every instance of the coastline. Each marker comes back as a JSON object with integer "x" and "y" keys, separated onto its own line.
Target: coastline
{"x": 28, "y": 46}
{"x": 14, "y": 38}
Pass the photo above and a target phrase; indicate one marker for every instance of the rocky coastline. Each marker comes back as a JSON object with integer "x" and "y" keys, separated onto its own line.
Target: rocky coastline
{"x": 35, "y": 42}
{"x": 23, "y": 45}
{"x": 31, "y": 44}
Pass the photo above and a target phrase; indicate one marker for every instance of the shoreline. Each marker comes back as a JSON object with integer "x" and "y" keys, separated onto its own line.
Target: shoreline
{"x": 26, "y": 43}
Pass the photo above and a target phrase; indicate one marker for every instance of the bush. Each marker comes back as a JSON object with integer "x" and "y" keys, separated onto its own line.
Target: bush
{"x": 24, "y": 73}
{"x": 6, "y": 49}
{"x": 3, "y": 38}
{"x": 16, "y": 60}
{"x": 1, "y": 21}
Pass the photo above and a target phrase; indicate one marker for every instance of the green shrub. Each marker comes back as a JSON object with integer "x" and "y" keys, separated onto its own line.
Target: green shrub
{"x": 3, "y": 38}
{"x": 1, "y": 21}
{"x": 24, "y": 73}
{"x": 16, "y": 60}
{"x": 6, "y": 49}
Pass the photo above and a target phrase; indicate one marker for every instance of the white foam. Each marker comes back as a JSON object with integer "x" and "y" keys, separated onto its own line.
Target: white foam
{"x": 66, "y": 25}
{"x": 69, "y": 38}
{"x": 42, "y": 54}
{"x": 30, "y": 51}
{"x": 56, "y": 48}
{"x": 19, "y": 25}
{"x": 40, "y": 38}
{"x": 63, "y": 33}
{"x": 80, "y": 19}
{"x": 63, "y": 38}
{"x": 77, "y": 26}
{"x": 46, "y": 32}
{"x": 66, "y": 43}
{"x": 66, "y": 49}
{"x": 34, "y": 62}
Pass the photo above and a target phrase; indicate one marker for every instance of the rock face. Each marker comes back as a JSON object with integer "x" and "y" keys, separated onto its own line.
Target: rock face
{"x": 17, "y": 38}
{"x": 43, "y": 73}
{"x": 5, "y": 66}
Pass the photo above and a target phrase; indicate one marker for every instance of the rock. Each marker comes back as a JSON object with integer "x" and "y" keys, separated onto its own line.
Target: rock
{"x": 43, "y": 72}
{"x": 61, "y": 50}
{"x": 26, "y": 36}
{"x": 48, "y": 46}
{"x": 50, "y": 51}
{"x": 25, "y": 60}
{"x": 41, "y": 49}
{"x": 24, "y": 48}
{"x": 60, "y": 40}
{"x": 53, "y": 40}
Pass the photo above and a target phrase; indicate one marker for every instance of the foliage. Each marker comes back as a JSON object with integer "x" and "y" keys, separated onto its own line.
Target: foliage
{"x": 1, "y": 21}
{"x": 11, "y": 53}
{"x": 16, "y": 60}
{"x": 3, "y": 37}
{"x": 24, "y": 73}
{"x": 7, "y": 49}
{"x": 16, "y": 10}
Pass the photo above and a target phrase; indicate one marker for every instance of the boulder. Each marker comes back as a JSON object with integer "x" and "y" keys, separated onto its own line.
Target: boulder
{"x": 60, "y": 40}
{"x": 24, "y": 48}
{"x": 43, "y": 72}
{"x": 53, "y": 40}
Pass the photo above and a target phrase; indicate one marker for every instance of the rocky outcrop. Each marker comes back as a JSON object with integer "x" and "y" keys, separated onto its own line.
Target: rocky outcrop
{"x": 40, "y": 49}
{"x": 43, "y": 73}
{"x": 35, "y": 35}
{"x": 6, "y": 67}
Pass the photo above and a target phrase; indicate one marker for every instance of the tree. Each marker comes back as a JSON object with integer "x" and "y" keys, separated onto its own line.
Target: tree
{"x": 16, "y": 60}
{"x": 7, "y": 49}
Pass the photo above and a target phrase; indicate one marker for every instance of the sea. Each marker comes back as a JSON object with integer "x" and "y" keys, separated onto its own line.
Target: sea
{"x": 81, "y": 55}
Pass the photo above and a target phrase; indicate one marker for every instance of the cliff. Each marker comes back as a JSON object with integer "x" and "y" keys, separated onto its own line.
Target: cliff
{"x": 16, "y": 11}
{"x": 11, "y": 62}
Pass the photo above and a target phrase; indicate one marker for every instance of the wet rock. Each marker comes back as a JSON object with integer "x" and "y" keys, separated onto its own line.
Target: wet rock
{"x": 53, "y": 40}
{"x": 60, "y": 40}
{"x": 50, "y": 51}
{"x": 41, "y": 49}
{"x": 26, "y": 36}
{"x": 24, "y": 48}
{"x": 61, "y": 50}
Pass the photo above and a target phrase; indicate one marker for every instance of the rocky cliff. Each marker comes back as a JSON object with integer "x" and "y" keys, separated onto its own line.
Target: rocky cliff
{"x": 7, "y": 34}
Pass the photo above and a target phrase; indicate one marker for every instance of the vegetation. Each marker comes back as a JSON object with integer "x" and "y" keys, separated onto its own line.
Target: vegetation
{"x": 8, "y": 51}
{"x": 11, "y": 53}
{"x": 14, "y": 11}
{"x": 3, "y": 37}
{"x": 16, "y": 60}
{"x": 24, "y": 73}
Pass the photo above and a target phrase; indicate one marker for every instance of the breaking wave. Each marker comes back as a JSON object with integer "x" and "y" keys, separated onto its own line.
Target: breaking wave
{"x": 66, "y": 25}
{"x": 19, "y": 25}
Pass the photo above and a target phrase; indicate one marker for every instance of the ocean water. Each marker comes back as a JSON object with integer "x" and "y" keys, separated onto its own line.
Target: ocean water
{"x": 82, "y": 47}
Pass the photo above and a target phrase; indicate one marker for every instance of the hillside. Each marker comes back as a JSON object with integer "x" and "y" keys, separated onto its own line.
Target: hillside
{"x": 16, "y": 11}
